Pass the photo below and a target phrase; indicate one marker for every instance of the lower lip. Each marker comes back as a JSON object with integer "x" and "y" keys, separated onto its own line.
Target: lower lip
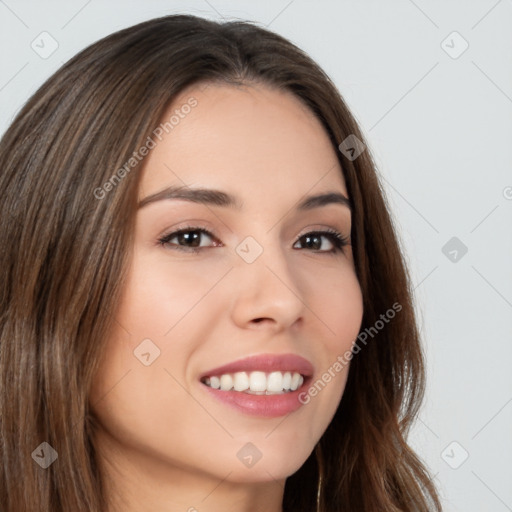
{"x": 268, "y": 406}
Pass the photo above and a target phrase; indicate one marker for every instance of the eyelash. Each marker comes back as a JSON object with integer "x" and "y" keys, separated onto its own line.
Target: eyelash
{"x": 338, "y": 240}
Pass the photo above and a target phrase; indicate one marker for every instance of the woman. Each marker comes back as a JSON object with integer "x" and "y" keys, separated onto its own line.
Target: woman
{"x": 204, "y": 305}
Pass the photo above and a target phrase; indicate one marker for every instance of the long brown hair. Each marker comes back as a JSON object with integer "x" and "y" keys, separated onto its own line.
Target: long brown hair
{"x": 64, "y": 252}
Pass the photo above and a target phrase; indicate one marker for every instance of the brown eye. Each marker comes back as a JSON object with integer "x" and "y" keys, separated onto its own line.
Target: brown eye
{"x": 313, "y": 240}
{"x": 187, "y": 239}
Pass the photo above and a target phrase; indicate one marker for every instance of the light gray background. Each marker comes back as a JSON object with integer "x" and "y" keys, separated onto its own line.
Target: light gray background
{"x": 441, "y": 131}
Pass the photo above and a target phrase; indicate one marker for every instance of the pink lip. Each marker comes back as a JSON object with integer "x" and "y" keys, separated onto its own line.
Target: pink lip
{"x": 269, "y": 406}
{"x": 265, "y": 363}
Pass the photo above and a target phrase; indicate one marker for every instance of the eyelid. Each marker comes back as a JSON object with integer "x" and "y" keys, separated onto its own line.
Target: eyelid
{"x": 188, "y": 226}
{"x": 163, "y": 240}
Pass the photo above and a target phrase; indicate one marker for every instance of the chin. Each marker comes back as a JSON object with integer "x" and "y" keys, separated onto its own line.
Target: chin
{"x": 262, "y": 474}
{"x": 268, "y": 469}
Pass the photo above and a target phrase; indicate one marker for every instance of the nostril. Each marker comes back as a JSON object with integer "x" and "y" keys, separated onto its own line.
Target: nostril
{"x": 259, "y": 320}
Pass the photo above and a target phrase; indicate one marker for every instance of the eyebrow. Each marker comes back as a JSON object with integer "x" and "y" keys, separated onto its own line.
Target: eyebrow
{"x": 219, "y": 198}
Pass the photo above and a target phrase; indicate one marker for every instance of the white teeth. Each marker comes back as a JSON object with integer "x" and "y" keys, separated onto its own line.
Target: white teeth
{"x": 275, "y": 382}
{"x": 257, "y": 383}
{"x": 296, "y": 381}
{"x": 287, "y": 381}
{"x": 241, "y": 381}
{"x": 226, "y": 382}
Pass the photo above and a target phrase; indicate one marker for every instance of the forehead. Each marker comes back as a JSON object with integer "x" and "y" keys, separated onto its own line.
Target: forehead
{"x": 244, "y": 139}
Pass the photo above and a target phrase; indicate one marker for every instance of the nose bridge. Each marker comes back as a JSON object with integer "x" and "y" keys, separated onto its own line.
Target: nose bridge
{"x": 265, "y": 286}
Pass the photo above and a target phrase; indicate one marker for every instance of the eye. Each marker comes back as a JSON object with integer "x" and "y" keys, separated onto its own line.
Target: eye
{"x": 189, "y": 236}
{"x": 189, "y": 239}
{"x": 313, "y": 240}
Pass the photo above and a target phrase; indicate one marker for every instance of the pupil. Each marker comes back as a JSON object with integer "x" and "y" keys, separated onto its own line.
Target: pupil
{"x": 186, "y": 237}
{"x": 309, "y": 238}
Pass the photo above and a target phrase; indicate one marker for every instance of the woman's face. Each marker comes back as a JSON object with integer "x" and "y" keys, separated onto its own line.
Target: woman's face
{"x": 263, "y": 283}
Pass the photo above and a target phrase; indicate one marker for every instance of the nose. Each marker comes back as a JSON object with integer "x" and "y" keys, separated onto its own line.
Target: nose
{"x": 267, "y": 292}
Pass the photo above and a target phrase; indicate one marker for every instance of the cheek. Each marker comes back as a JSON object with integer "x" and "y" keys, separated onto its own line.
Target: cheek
{"x": 340, "y": 308}
{"x": 338, "y": 303}
{"x": 161, "y": 292}
{"x": 161, "y": 319}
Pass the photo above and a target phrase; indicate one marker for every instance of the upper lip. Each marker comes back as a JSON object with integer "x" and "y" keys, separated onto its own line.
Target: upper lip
{"x": 265, "y": 363}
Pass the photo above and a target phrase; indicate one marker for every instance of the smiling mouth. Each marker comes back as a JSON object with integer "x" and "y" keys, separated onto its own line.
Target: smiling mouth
{"x": 256, "y": 382}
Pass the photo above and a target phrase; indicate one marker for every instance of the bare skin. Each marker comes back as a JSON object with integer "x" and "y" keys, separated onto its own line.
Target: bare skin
{"x": 165, "y": 444}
